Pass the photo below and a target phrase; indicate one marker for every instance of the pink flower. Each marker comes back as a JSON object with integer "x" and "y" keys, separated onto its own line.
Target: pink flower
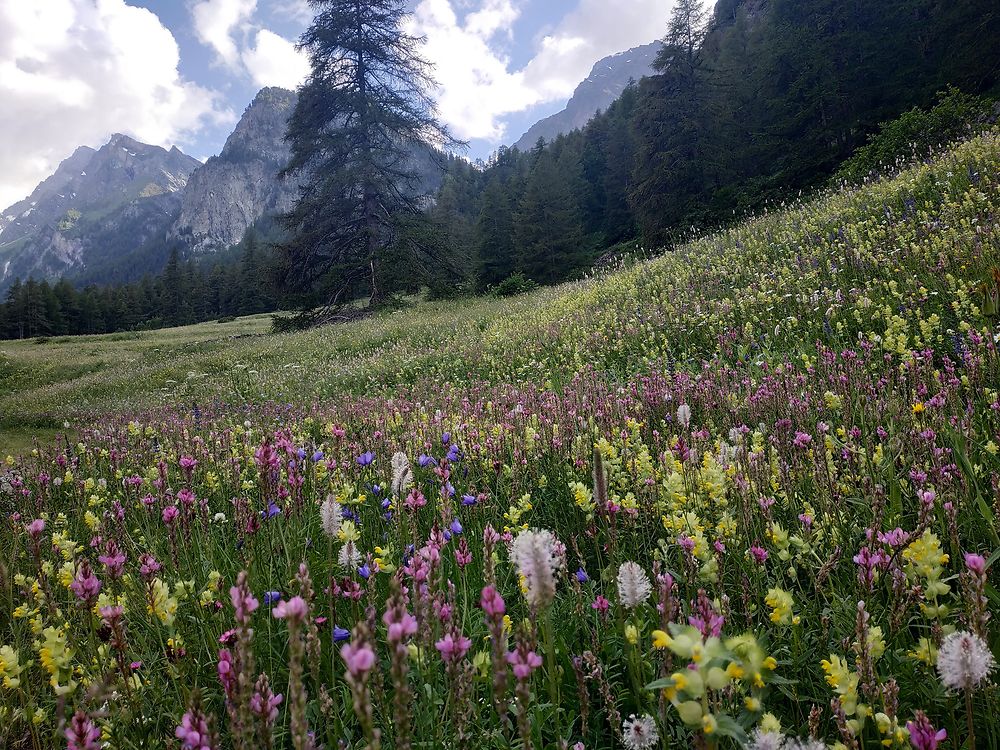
{"x": 492, "y": 603}
{"x": 759, "y": 554}
{"x": 975, "y": 563}
{"x": 82, "y": 733}
{"x": 243, "y": 601}
{"x": 802, "y": 439}
{"x": 600, "y": 604}
{"x": 86, "y": 585}
{"x": 292, "y": 609}
{"x": 113, "y": 559}
{"x": 463, "y": 555}
{"x": 923, "y": 736}
{"x": 35, "y": 528}
{"x": 399, "y": 629}
{"x": 523, "y": 664}
{"x": 453, "y": 646}
{"x": 415, "y": 499}
{"x": 169, "y": 514}
{"x": 227, "y": 673}
{"x": 359, "y": 659}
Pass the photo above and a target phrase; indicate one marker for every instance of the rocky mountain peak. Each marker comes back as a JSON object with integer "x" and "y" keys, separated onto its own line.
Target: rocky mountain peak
{"x": 607, "y": 79}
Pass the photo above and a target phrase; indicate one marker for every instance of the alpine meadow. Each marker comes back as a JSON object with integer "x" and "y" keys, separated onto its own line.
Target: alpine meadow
{"x": 679, "y": 428}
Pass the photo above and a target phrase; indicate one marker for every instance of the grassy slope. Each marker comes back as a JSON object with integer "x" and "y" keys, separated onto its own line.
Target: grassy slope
{"x": 896, "y": 261}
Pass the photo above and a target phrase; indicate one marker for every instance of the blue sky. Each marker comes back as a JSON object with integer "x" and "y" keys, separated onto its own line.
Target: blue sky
{"x": 180, "y": 72}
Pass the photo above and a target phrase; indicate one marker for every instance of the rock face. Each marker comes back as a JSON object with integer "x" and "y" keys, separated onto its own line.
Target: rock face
{"x": 234, "y": 189}
{"x": 84, "y": 206}
{"x": 606, "y": 81}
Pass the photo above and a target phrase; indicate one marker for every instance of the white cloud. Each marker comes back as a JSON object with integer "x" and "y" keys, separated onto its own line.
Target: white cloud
{"x": 74, "y": 71}
{"x": 231, "y": 29}
{"x": 216, "y": 22}
{"x": 478, "y": 86}
{"x": 274, "y": 61}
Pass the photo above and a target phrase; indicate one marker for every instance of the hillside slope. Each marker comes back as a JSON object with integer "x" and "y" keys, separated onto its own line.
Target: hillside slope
{"x": 898, "y": 264}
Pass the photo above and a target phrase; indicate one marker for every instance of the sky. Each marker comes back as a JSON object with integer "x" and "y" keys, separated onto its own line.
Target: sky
{"x": 181, "y": 72}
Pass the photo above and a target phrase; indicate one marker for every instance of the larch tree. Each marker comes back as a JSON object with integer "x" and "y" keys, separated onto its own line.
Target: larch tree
{"x": 361, "y": 114}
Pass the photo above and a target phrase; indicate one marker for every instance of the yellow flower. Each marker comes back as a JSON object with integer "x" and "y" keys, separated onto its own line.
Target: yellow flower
{"x": 780, "y": 602}
{"x": 10, "y": 669}
{"x": 660, "y": 639}
{"x": 918, "y": 408}
{"x": 631, "y": 634}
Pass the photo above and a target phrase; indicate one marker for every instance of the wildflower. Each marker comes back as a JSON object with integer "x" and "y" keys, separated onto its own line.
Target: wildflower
{"x": 523, "y": 662}
{"x": 923, "y": 736}
{"x": 660, "y": 639}
{"x": 631, "y": 634}
{"x": 243, "y": 601}
{"x": 359, "y": 659}
{"x": 536, "y": 557}
{"x": 82, "y": 733}
{"x": 765, "y": 740}
{"x": 365, "y": 459}
{"x": 86, "y": 585}
{"x": 634, "y": 586}
{"x": 402, "y": 476}
{"x": 581, "y": 575}
{"x": 453, "y": 646}
{"x": 113, "y": 560}
{"x": 194, "y": 731}
{"x": 292, "y": 609}
{"x": 349, "y": 555}
{"x": 684, "y": 415}
{"x": 600, "y": 604}
{"x": 264, "y": 703}
{"x": 10, "y": 669}
{"x": 639, "y": 733}
{"x": 758, "y": 553}
{"x": 331, "y": 516}
{"x": 340, "y": 634}
{"x": 964, "y": 660}
{"x": 780, "y": 602}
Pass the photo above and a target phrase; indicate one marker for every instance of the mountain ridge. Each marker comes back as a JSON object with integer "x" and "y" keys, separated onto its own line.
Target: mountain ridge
{"x": 607, "y": 79}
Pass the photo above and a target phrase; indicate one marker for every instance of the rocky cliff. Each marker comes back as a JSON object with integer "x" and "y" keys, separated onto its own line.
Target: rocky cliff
{"x": 241, "y": 184}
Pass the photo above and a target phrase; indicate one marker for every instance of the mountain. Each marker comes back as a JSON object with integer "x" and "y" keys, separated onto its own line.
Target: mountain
{"x": 125, "y": 192}
{"x": 234, "y": 189}
{"x": 606, "y": 81}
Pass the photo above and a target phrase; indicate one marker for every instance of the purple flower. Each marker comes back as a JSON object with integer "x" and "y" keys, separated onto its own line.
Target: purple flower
{"x": 365, "y": 459}
{"x": 271, "y": 598}
{"x": 468, "y": 499}
{"x": 271, "y": 512}
{"x": 446, "y": 438}
{"x": 923, "y": 735}
{"x": 581, "y": 575}
{"x": 317, "y": 456}
{"x": 365, "y": 572}
{"x": 456, "y": 527}
{"x": 426, "y": 460}
{"x": 340, "y": 634}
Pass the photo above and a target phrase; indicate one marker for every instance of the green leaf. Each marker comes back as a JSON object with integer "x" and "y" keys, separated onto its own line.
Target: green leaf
{"x": 727, "y": 727}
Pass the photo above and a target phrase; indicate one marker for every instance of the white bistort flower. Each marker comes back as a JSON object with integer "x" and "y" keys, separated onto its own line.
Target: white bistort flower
{"x": 684, "y": 415}
{"x": 639, "y": 732}
{"x": 402, "y": 476}
{"x": 330, "y": 516}
{"x": 349, "y": 556}
{"x": 964, "y": 660}
{"x": 763, "y": 740}
{"x": 538, "y": 556}
{"x": 634, "y": 586}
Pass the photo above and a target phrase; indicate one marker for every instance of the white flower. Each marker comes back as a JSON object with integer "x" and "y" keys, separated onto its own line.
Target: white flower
{"x": 761, "y": 740}
{"x": 639, "y": 733}
{"x": 537, "y": 555}
{"x": 349, "y": 556}
{"x": 219, "y": 518}
{"x": 964, "y": 660}
{"x": 402, "y": 477}
{"x": 684, "y": 415}
{"x": 634, "y": 586}
{"x": 807, "y": 744}
{"x": 330, "y": 516}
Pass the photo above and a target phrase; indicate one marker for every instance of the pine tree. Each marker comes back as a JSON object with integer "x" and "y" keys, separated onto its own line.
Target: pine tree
{"x": 361, "y": 111}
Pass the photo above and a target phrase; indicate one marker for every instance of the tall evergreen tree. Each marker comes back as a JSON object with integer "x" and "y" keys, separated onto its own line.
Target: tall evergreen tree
{"x": 364, "y": 106}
